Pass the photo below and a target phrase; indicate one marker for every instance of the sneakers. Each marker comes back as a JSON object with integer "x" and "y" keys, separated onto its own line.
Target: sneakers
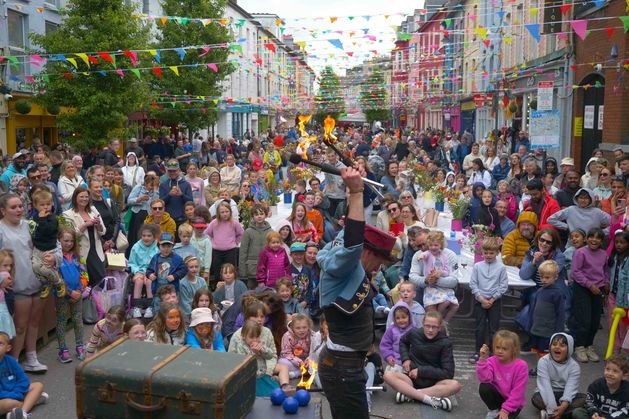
{"x": 492, "y": 414}
{"x": 137, "y": 312}
{"x": 580, "y": 354}
{"x": 526, "y": 349}
{"x": 80, "y": 352}
{"x": 473, "y": 359}
{"x": 64, "y": 356}
{"x": 60, "y": 288}
{"x": 380, "y": 309}
{"x": 45, "y": 291}
{"x": 533, "y": 372}
{"x": 148, "y": 313}
{"x": 402, "y": 398}
{"x": 17, "y": 413}
{"x": 387, "y": 310}
{"x": 34, "y": 366}
{"x": 442, "y": 403}
{"x": 43, "y": 399}
{"x": 591, "y": 354}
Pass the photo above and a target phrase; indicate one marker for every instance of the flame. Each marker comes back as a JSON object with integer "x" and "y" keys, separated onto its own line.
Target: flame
{"x": 328, "y": 126}
{"x": 308, "y": 369}
{"x": 303, "y": 120}
{"x": 303, "y": 146}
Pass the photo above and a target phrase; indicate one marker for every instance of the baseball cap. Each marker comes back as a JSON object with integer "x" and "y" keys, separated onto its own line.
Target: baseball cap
{"x": 172, "y": 165}
{"x": 198, "y": 222}
{"x": 201, "y": 315}
{"x": 22, "y": 152}
{"x": 166, "y": 238}
{"x": 297, "y": 247}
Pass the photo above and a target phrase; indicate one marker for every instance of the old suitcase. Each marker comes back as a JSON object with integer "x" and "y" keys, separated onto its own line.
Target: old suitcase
{"x": 131, "y": 379}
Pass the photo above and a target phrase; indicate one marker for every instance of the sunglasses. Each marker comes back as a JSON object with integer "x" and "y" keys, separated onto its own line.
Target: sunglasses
{"x": 157, "y": 208}
{"x": 542, "y": 240}
{"x": 605, "y": 174}
{"x": 35, "y": 177}
{"x": 393, "y": 209}
{"x": 406, "y": 197}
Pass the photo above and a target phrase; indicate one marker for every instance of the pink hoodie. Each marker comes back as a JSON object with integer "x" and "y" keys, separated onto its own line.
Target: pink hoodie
{"x": 272, "y": 266}
{"x": 294, "y": 349}
{"x": 509, "y": 379}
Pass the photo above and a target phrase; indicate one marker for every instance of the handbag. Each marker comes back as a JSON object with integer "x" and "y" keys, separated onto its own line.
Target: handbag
{"x": 107, "y": 294}
{"x": 90, "y": 313}
{"x": 116, "y": 261}
{"x": 431, "y": 217}
{"x": 121, "y": 242}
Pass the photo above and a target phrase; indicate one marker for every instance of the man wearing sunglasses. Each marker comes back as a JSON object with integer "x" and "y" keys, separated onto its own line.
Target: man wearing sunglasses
{"x": 175, "y": 191}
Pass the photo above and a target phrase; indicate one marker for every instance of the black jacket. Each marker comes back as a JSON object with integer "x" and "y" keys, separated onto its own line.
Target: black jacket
{"x": 565, "y": 197}
{"x": 433, "y": 358}
{"x": 600, "y": 400}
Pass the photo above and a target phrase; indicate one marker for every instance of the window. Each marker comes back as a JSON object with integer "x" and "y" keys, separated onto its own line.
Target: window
{"x": 145, "y": 6}
{"x": 51, "y": 27}
{"x": 54, "y": 3}
{"x": 17, "y": 30}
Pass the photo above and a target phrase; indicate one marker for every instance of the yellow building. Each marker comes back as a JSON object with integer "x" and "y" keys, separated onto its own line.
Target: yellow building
{"x": 23, "y": 128}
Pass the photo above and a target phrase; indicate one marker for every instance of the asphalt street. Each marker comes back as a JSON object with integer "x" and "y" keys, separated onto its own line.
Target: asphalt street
{"x": 59, "y": 383}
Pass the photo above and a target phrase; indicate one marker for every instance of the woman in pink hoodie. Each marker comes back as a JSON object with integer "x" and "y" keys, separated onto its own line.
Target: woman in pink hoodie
{"x": 273, "y": 262}
{"x": 503, "y": 376}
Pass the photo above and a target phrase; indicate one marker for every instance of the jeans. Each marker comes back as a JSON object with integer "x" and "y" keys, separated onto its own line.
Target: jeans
{"x": 379, "y": 300}
{"x": 370, "y": 370}
{"x": 584, "y": 322}
{"x": 493, "y": 399}
{"x": 344, "y": 387}
{"x": 487, "y": 320}
{"x": 329, "y": 232}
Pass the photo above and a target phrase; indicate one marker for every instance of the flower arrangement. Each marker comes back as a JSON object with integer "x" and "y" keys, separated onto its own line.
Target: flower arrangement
{"x": 474, "y": 236}
{"x": 423, "y": 178}
{"x": 244, "y": 210}
{"x": 458, "y": 206}
{"x": 273, "y": 191}
{"x": 439, "y": 194}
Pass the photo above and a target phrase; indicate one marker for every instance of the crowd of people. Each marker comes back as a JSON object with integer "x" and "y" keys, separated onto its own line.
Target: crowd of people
{"x": 207, "y": 269}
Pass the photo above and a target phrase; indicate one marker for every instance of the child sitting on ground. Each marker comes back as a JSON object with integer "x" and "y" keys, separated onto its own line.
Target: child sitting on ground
{"x": 390, "y": 343}
{"x": 284, "y": 288}
{"x": 608, "y": 397}
{"x": 503, "y": 376}
{"x": 296, "y": 344}
{"x": 189, "y": 286}
{"x": 18, "y": 395}
{"x": 203, "y": 299}
{"x": 228, "y": 288}
{"x": 167, "y": 327}
{"x": 558, "y": 377}
{"x": 106, "y": 331}
{"x": 134, "y": 329}
{"x": 201, "y": 333}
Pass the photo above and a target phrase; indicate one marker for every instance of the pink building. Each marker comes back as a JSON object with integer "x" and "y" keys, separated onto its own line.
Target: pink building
{"x": 399, "y": 83}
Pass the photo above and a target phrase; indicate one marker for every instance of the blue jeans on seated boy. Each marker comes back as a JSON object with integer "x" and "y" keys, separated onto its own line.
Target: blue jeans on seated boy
{"x": 380, "y": 304}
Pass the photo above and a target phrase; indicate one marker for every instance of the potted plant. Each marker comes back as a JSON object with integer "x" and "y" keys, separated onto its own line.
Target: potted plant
{"x": 458, "y": 208}
{"x": 23, "y": 106}
{"x": 53, "y": 109}
{"x": 288, "y": 194}
{"x": 439, "y": 195}
{"x": 244, "y": 211}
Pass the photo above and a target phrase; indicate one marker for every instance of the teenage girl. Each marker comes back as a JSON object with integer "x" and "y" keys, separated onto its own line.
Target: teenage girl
{"x": 225, "y": 232}
{"x": 107, "y": 330}
{"x": 503, "y": 376}
{"x": 134, "y": 329}
{"x": 74, "y": 276}
{"x": 7, "y": 273}
{"x": 619, "y": 283}
{"x": 591, "y": 280}
{"x": 296, "y": 344}
{"x": 167, "y": 327}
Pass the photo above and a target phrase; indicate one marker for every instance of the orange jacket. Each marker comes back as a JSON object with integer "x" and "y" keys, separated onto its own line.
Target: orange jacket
{"x": 314, "y": 216}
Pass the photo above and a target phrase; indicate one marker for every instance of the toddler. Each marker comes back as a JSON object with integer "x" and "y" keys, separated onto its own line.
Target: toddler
{"x": 407, "y": 296}
{"x": 435, "y": 297}
{"x": 189, "y": 286}
{"x": 608, "y": 397}
{"x": 167, "y": 327}
{"x": 18, "y": 395}
{"x": 273, "y": 262}
{"x": 390, "y": 343}
{"x": 106, "y": 331}
{"x": 296, "y": 344}
{"x": 75, "y": 277}
{"x": 503, "y": 376}
{"x": 7, "y": 273}
{"x": 141, "y": 254}
{"x": 184, "y": 248}
{"x": 45, "y": 232}
{"x": 202, "y": 334}
{"x": 547, "y": 309}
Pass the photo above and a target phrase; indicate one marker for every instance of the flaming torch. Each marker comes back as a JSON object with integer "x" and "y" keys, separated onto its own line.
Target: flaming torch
{"x": 308, "y": 373}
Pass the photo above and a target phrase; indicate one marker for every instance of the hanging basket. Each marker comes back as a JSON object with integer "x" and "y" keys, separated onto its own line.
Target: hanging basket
{"x": 53, "y": 109}
{"x": 23, "y": 106}
{"x": 513, "y": 107}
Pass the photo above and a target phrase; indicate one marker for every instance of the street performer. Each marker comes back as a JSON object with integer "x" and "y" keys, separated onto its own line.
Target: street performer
{"x": 346, "y": 301}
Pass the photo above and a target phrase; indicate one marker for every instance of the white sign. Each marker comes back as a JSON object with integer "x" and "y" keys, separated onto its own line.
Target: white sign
{"x": 601, "y": 109}
{"x": 588, "y": 117}
{"x": 545, "y": 96}
{"x": 544, "y": 129}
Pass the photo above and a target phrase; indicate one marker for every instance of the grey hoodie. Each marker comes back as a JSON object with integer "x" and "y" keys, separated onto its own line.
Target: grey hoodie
{"x": 575, "y": 217}
{"x": 560, "y": 377}
{"x": 251, "y": 245}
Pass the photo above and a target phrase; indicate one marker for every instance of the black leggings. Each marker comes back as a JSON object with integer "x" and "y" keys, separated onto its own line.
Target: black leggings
{"x": 493, "y": 399}
{"x": 219, "y": 257}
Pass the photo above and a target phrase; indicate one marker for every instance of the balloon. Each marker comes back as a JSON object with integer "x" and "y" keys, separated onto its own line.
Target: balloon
{"x": 290, "y": 405}
{"x": 303, "y": 397}
{"x": 277, "y": 396}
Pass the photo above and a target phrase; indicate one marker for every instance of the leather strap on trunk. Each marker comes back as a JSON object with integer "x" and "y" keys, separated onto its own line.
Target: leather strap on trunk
{"x": 149, "y": 377}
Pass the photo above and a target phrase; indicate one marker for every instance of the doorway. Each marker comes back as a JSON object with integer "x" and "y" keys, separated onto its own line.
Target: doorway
{"x": 593, "y": 113}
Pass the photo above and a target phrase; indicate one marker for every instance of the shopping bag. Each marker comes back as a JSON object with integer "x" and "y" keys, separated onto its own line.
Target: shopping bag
{"x": 107, "y": 294}
{"x": 121, "y": 242}
{"x": 90, "y": 313}
{"x": 431, "y": 217}
{"x": 116, "y": 261}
